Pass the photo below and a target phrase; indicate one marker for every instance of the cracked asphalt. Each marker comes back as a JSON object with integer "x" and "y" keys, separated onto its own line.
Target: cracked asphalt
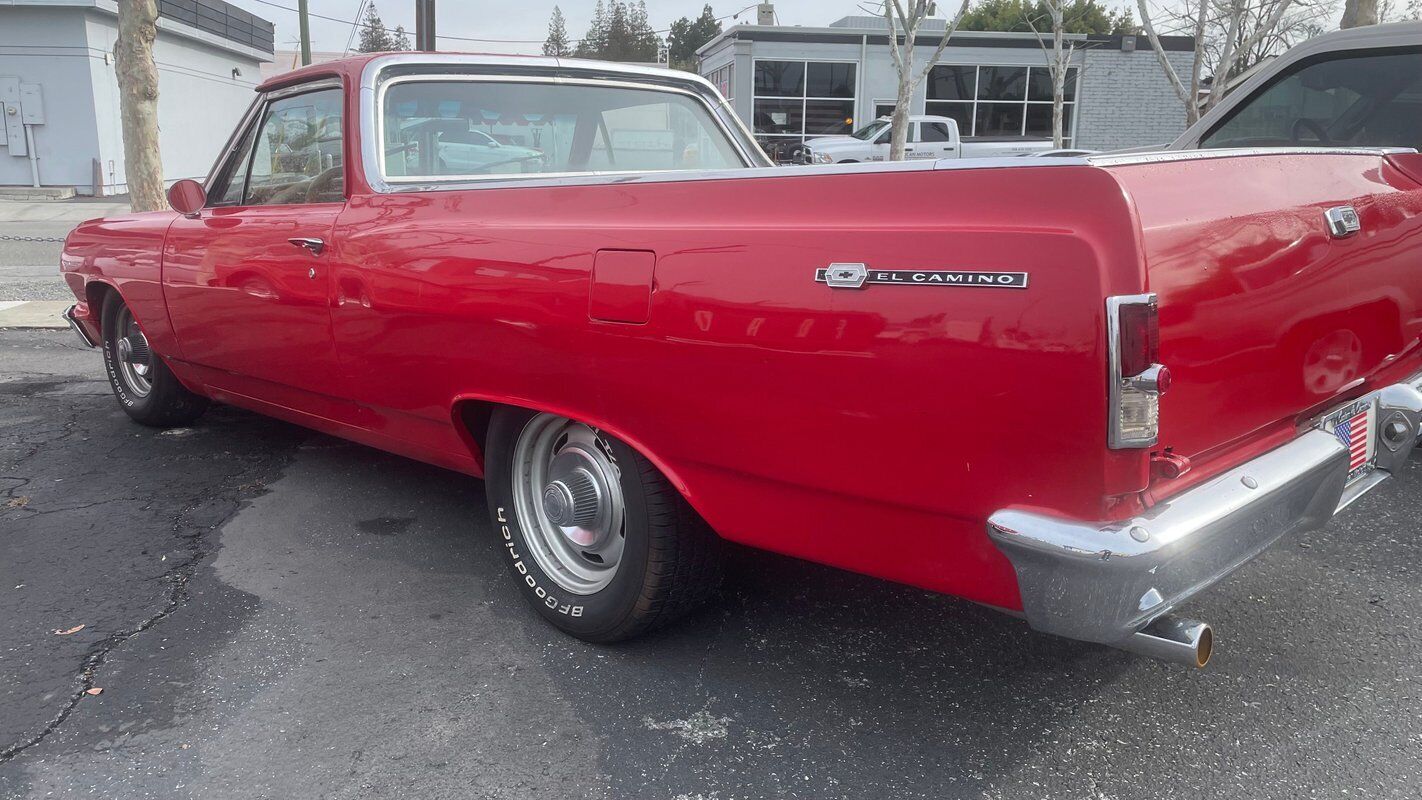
{"x": 271, "y": 613}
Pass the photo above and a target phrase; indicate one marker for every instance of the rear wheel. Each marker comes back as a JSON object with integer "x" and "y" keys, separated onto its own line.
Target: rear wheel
{"x": 145, "y": 387}
{"x": 598, "y": 540}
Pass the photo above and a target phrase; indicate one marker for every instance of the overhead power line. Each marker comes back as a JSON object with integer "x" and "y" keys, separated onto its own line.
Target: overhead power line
{"x": 359, "y": 24}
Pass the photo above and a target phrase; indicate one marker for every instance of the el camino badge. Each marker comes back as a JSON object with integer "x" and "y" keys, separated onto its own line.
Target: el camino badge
{"x": 855, "y": 276}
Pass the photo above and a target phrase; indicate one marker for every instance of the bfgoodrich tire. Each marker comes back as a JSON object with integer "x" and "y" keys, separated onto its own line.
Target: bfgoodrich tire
{"x": 146, "y": 389}
{"x": 597, "y": 539}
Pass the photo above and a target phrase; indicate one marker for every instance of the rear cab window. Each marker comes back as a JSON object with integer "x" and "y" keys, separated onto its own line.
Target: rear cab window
{"x": 469, "y": 128}
{"x": 1356, "y": 99}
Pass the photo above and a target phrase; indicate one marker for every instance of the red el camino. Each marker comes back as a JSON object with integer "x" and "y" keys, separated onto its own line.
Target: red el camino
{"x": 1080, "y": 390}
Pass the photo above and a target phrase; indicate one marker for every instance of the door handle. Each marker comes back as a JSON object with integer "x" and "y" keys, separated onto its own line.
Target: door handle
{"x": 314, "y": 245}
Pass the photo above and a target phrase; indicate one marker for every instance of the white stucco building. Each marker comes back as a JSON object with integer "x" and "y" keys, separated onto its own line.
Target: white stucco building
{"x": 791, "y": 82}
{"x": 209, "y": 56}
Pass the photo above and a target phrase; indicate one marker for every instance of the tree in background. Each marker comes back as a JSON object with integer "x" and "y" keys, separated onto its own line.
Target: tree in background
{"x": 375, "y": 38}
{"x": 1231, "y": 36}
{"x": 687, "y": 36}
{"x": 1357, "y": 13}
{"x": 1078, "y": 16}
{"x": 620, "y": 32}
{"x": 594, "y": 41}
{"x": 904, "y": 18}
{"x": 557, "y": 42}
{"x": 138, "y": 103}
{"x": 1059, "y": 54}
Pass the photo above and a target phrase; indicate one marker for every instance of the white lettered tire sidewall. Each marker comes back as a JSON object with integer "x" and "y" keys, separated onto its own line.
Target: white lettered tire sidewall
{"x": 597, "y": 616}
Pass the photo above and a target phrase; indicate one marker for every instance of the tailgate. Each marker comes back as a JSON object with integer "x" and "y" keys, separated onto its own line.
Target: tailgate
{"x": 1266, "y": 316}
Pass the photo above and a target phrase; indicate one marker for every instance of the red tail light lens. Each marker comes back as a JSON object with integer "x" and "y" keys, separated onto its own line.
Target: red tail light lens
{"x": 1136, "y": 379}
{"x": 1139, "y": 338}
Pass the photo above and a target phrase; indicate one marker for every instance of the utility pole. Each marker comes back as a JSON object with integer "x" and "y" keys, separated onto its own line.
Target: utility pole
{"x": 305, "y": 21}
{"x": 425, "y": 25}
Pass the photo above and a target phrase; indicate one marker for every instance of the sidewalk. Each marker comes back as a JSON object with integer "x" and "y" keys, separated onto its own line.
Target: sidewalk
{"x": 59, "y": 211}
{"x": 31, "y": 233}
{"x": 33, "y": 313}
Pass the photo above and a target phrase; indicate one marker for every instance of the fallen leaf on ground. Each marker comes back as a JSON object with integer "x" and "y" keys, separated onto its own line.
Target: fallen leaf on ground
{"x": 17, "y": 502}
{"x": 93, "y": 690}
{"x": 68, "y": 631}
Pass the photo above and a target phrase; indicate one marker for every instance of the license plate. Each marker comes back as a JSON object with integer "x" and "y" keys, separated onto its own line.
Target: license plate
{"x": 1355, "y": 425}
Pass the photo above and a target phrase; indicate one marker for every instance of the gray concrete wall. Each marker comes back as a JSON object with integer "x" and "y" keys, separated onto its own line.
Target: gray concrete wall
{"x": 68, "y": 51}
{"x": 1127, "y": 101}
{"x": 48, "y": 46}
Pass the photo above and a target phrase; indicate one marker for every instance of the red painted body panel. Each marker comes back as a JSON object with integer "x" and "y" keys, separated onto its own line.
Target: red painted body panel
{"x": 245, "y": 300}
{"x": 1266, "y": 318}
{"x": 872, "y": 429}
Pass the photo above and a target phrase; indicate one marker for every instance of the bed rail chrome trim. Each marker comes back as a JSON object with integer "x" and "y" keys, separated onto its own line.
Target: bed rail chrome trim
{"x": 1128, "y": 159}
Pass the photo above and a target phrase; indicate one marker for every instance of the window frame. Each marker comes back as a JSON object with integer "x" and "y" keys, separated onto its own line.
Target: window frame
{"x": 1291, "y": 70}
{"x": 398, "y": 182}
{"x": 804, "y": 96}
{"x": 233, "y": 153}
{"x": 1068, "y": 136}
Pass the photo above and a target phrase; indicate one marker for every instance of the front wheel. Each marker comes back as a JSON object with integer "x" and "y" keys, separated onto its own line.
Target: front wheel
{"x": 145, "y": 387}
{"x": 598, "y": 540}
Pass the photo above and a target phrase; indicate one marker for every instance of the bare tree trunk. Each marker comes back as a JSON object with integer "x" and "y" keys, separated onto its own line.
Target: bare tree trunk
{"x": 903, "y": 29}
{"x": 1187, "y": 96}
{"x": 1357, "y": 13}
{"x": 1059, "y": 73}
{"x": 138, "y": 103}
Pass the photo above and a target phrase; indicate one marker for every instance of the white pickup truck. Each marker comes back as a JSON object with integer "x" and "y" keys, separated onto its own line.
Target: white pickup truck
{"x": 928, "y": 138}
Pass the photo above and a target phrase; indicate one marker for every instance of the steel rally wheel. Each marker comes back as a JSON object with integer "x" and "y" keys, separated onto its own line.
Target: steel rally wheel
{"x": 598, "y": 540}
{"x": 144, "y": 386}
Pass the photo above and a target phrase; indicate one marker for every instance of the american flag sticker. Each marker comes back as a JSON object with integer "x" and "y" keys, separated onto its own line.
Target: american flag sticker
{"x": 1354, "y": 428}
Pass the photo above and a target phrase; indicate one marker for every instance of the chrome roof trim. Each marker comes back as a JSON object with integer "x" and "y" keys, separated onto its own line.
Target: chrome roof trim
{"x": 545, "y": 68}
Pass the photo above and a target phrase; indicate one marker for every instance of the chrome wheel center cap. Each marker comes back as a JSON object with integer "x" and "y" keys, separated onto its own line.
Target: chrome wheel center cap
{"x": 572, "y": 503}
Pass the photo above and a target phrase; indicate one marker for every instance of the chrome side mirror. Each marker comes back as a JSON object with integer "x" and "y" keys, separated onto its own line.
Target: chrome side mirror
{"x": 187, "y": 197}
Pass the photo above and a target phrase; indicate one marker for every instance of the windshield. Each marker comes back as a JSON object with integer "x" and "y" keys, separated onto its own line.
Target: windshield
{"x": 868, "y": 132}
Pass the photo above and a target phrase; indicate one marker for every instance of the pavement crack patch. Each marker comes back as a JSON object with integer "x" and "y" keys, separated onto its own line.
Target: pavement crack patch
{"x": 177, "y": 579}
{"x": 192, "y": 533}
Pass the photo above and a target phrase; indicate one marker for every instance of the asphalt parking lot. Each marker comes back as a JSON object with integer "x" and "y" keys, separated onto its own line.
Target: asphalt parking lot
{"x": 271, "y": 613}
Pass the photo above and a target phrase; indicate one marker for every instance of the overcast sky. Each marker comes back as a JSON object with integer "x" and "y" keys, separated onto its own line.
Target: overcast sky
{"x": 524, "y": 21}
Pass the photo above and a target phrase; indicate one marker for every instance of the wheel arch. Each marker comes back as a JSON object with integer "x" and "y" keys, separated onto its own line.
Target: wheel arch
{"x": 95, "y": 292}
{"x": 471, "y": 414}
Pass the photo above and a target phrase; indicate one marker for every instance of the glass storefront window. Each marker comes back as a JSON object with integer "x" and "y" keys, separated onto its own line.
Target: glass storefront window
{"x": 991, "y": 100}
{"x": 797, "y": 99}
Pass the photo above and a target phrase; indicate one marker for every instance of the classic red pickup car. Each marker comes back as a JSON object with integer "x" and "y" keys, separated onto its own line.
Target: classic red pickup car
{"x": 1079, "y": 390}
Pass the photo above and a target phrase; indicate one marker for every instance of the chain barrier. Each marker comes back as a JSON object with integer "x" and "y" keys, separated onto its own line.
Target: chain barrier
{"x": 4, "y": 238}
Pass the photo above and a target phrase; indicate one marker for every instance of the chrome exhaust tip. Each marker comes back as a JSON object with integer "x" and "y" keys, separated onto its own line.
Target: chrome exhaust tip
{"x": 1180, "y": 641}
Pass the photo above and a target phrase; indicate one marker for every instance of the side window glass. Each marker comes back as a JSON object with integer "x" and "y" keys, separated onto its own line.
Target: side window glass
{"x": 936, "y": 132}
{"x": 471, "y": 129}
{"x": 298, "y": 154}
{"x": 1371, "y": 100}
{"x": 231, "y": 182}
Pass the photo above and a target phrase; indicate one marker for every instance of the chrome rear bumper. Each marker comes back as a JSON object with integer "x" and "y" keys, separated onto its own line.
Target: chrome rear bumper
{"x": 77, "y": 328}
{"x": 1103, "y": 582}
